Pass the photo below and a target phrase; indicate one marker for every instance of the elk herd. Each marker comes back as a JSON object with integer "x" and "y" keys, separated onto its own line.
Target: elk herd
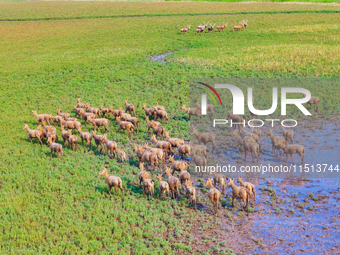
{"x": 206, "y": 25}
{"x": 165, "y": 153}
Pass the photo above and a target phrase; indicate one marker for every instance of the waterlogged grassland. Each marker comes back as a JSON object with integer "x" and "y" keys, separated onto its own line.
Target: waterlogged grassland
{"x": 50, "y": 205}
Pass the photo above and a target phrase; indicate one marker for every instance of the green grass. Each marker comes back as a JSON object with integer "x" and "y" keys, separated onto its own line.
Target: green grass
{"x": 47, "y": 205}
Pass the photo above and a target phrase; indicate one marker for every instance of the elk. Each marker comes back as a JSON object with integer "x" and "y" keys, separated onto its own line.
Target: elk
{"x": 243, "y": 25}
{"x": 155, "y": 123}
{"x": 164, "y": 145}
{"x": 202, "y": 27}
{"x": 93, "y": 110}
{"x": 198, "y": 149}
{"x": 150, "y": 157}
{"x": 178, "y": 165}
{"x": 236, "y": 118}
{"x": 175, "y": 142}
{"x": 251, "y": 147}
{"x": 125, "y": 125}
{"x": 80, "y": 104}
{"x": 157, "y": 129}
{"x": 255, "y": 137}
{"x": 139, "y": 151}
{"x": 173, "y": 183}
{"x": 148, "y": 187}
{"x": 85, "y": 136}
{"x": 129, "y": 108}
{"x": 122, "y": 155}
{"x": 72, "y": 140}
{"x": 112, "y": 181}
{"x": 148, "y": 111}
{"x": 64, "y": 115}
{"x": 291, "y": 149}
{"x": 51, "y": 134}
{"x": 110, "y": 145}
{"x": 185, "y": 30}
{"x": 33, "y": 133}
{"x": 199, "y": 30}
{"x": 239, "y": 140}
{"x": 183, "y": 177}
{"x": 191, "y": 193}
{"x": 183, "y": 149}
{"x": 51, "y": 128}
{"x": 116, "y": 113}
{"x": 71, "y": 124}
{"x": 164, "y": 188}
{"x": 55, "y": 147}
{"x": 55, "y": 119}
{"x": 86, "y": 115}
{"x": 105, "y": 111}
{"x": 72, "y": 119}
{"x": 98, "y": 139}
{"x": 159, "y": 152}
{"x": 249, "y": 186}
{"x": 133, "y": 120}
{"x": 219, "y": 181}
{"x": 143, "y": 174}
{"x": 288, "y": 134}
{"x": 78, "y": 110}
{"x": 65, "y": 134}
{"x": 211, "y": 28}
{"x": 162, "y": 114}
{"x": 313, "y": 100}
{"x": 213, "y": 194}
{"x": 41, "y": 117}
{"x": 100, "y": 122}
{"x": 218, "y": 28}
{"x": 204, "y": 137}
{"x": 159, "y": 107}
{"x": 239, "y": 192}
{"x": 192, "y": 111}
{"x": 275, "y": 139}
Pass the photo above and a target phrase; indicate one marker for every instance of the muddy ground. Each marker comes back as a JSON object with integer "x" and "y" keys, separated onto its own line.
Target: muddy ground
{"x": 290, "y": 215}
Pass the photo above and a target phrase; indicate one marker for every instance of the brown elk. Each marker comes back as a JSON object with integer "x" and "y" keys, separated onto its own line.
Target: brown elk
{"x": 80, "y": 104}
{"x": 192, "y": 111}
{"x": 239, "y": 192}
{"x": 148, "y": 187}
{"x": 251, "y": 147}
{"x": 162, "y": 114}
{"x": 116, "y": 112}
{"x": 112, "y": 181}
{"x": 64, "y": 134}
{"x": 157, "y": 129}
{"x": 204, "y": 137}
{"x": 164, "y": 188}
{"x": 41, "y": 117}
{"x": 164, "y": 145}
{"x": 202, "y": 27}
{"x": 99, "y": 140}
{"x": 33, "y": 133}
{"x": 129, "y": 108}
{"x": 156, "y": 123}
{"x": 218, "y": 28}
{"x": 183, "y": 149}
{"x": 185, "y": 30}
{"x": 71, "y": 124}
{"x": 86, "y": 115}
{"x": 313, "y": 100}
{"x": 159, "y": 152}
{"x": 100, "y": 122}
{"x": 110, "y": 145}
{"x": 213, "y": 194}
{"x": 173, "y": 183}
{"x": 96, "y": 111}
{"x": 159, "y": 107}
{"x": 219, "y": 181}
{"x": 133, "y": 120}
{"x": 249, "y": 186}
{"x": 143, "y": 174}
{"x": 55, "y": 119}
{"x": 237, "y": 119}
{"x": 105, "y": 111}
{"x": 125, "y": 125}
{"x": 175, "y": 142}
{"x": 78, "y": 110}
{"x": 85, "y": 136}
{"x": 149, "y": 157}
{"x": 178, "y": 165}
{"x": 64, "y": 115}
{"x": 148, "y": 111}
{"x": 244, "y": 25}
{"x": 55, "y": 147}
{"x": 72, "y": 140}
{"x": 288, "y": 134}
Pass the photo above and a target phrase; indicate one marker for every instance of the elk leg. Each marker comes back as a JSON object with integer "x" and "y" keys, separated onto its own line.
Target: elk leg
{"x": 291, "y": 156}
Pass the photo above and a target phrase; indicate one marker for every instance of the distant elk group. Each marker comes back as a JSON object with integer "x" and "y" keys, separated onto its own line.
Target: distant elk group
{"x": 201, "y": 28}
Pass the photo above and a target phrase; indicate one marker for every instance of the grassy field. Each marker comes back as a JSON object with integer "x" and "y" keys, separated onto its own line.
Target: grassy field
{"x": 47, "y": 205}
